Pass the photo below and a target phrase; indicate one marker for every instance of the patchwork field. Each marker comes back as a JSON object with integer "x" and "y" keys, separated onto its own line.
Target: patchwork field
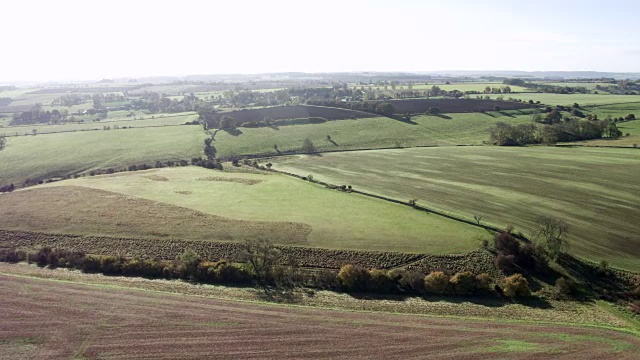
{"x": 61, "y": 320}
{"x": 200, "y": 204}
{"x": 449, "y": 129}
{"x": 594, "y": 190}
{"x": 51, "y": 155}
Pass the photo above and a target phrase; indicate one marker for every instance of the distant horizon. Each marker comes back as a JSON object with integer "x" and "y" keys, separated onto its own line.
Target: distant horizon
{"x": 452, "y": 73}
{"x": 75, "y": 40}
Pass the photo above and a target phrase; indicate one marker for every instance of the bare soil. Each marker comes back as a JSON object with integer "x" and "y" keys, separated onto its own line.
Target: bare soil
{"x": 55, "y": 320}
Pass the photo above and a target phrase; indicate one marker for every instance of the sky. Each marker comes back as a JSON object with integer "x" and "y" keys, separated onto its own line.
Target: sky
{"x": 66, "y": 40}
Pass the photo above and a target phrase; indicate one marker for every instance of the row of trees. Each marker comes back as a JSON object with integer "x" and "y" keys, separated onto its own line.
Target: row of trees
{"x": 264, "y": 266}
{"x": 569, "y": 130}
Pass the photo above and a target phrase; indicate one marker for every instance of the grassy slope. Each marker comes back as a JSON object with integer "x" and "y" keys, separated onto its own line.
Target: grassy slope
{"x": 594, "y": 190}
{"x": 569, "y": 99}
{"x": 165, "y": 120}
{"x": 470, "y": 128}
{"x": 339, "y": 220}
{"x": 60, "y": 154}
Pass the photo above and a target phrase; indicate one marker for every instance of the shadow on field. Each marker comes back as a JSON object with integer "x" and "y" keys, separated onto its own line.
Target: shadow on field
{"x": 372, "y": 296}
{"x": 504, "y": 113}
{"x": 403, "y": 119}
{"x": 288, "y": 296}
{"x": 488, "y": 114}
{"x": 233, "y": 132}
{"x": 443, "y": 116}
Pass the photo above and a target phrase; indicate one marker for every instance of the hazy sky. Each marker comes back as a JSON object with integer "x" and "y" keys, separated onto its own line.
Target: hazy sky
{"x": 69, "y": 40}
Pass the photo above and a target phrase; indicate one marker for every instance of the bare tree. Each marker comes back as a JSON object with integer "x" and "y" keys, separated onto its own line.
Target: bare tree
{"x": 552, "y": 235}
{"x": 261, "y": 257}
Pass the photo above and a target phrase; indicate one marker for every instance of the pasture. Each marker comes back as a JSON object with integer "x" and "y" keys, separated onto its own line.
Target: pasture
{"x": 462, "y": 86}
{"x": 52, "y": 155}
{"x": 92, "y": 320}
{"x": 593, "y": 190}
{"x": 119, "y": 119}
{"x": 379, "y": 132}
{"x": 570, "y": 99}
{"x": 200, "y": 204}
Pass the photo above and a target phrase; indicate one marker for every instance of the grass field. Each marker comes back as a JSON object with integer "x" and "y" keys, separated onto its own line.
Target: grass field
{"x": 157, "y": 120}
{"x": 594, "y": 190}
{"x": 615, "y": 111}
{"x": 336, "y": 220}
{"x": 586, "y": 85}
{"x": 45, "y": 156}
{"x": 570, "y": 99}
{"x": 55, "y": 319}
{"x": 451, "y": 129}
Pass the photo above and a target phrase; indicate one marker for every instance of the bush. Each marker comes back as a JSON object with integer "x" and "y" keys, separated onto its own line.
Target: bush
{"x": 506, "y": 263}
{"x": 436, "y": 282}
{"x": 565, "y": 288}
{"x": 516, "y": 286}
{"x": 483, "y": 283}
{"x": 380, "y": 281}
{"x": 12, "y": 256}
{"x": 353, "y": 278}
{"x": 506, "y": 244}
{"x": 463, "y": 283}
{"x": 408, "y": 280}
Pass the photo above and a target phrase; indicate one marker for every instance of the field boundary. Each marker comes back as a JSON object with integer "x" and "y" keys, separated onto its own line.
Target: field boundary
{"x": 477, "y": 261}
{"x": 400, "y": 202}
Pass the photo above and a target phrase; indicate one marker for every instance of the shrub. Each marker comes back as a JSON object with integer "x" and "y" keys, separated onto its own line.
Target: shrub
{"x": 565, "y": 288}
{"x": 408, "y": 280}
{"x": 483, "y": 283}
{"x": 436, "y": 282}
{"x": 308, "y": 146}
{"x": 91, "y": 264}
{"x": 506, "y": 244}
{"x": 506, "y": 263}
{"x": 380, "y": 281}
{"x": 463, "y": 283}
{"x": 12, "y": 256}
{"x": 353, "y": 278}
{"x": 516, "y": 286}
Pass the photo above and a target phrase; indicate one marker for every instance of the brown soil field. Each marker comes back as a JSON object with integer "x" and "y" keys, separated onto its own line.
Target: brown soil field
{"x": 292, "y": 112}
{"x": 60, "y": 210}
{"x": 453, "y": 105}
{"x": 58, "y": 320}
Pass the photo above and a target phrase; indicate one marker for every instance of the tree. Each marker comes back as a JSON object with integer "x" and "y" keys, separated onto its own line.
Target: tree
{"x": 433, "y": 110}
{"x": 3, "y": 141}
{"x": 228, "y": 122}
{"x": 552, "y": 236}
{"x": 612, "y": 131}
{"x": 308, "y": 146}
{"x": 385, "y": 108}
{"x": 497, "y": 108}
{"x": 260, "y": 256}
{"x": 553, "y": 117}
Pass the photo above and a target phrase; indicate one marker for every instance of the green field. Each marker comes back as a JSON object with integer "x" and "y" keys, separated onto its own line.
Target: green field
{"x": 450, "y": 129}
{"x": 570, "y": 99}
{"x": 44, "y": 156}
{"x": 337, "y": 220}
{"x": 116, "y": 120}
{"x": 594, "y": 190}
{"x": 586, "y": 85}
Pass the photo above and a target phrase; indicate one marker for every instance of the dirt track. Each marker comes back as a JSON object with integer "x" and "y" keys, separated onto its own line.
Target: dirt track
{"x": 46, "y": 319}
